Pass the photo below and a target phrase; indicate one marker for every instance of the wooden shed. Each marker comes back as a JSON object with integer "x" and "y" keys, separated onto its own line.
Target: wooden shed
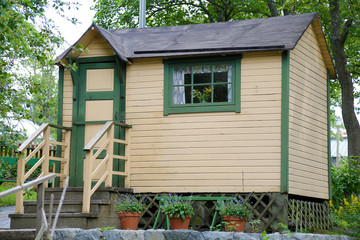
{"x": 220, "y": 108}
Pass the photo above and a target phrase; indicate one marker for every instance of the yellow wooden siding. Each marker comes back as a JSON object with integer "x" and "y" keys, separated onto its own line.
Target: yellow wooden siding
{"x": 67, "y": 99}
{"x": 98, "y": 47}
{"x": 206, "y": 152}
{"x": 308, "y": 156}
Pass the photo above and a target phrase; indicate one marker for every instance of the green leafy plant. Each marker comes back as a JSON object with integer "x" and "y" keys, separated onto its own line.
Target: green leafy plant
{"x": 255, "y": 225}
{"x": 203, "y": 96}
{"x": 108, "y": 228}
{"x": 173, "y": 206}
{"x": 234, "y": 207}
{"x": 263, "y": 235}
{"x": 286, "y": 230}
{"x": 347, "y": 215}
{"x": 130, "y": 203}
{"x": 345, "y": 180}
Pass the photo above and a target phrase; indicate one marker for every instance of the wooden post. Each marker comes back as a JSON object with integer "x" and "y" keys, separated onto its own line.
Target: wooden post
{"x": 110, "y": 152}
{"x": 87, "y": 181}
{"x": 127, "y": 153}
{"x": 39, "y": 206}
{"x": 20, "y": 181}
{"x": 67, "y": 140}
{"x": 46, "y": 151}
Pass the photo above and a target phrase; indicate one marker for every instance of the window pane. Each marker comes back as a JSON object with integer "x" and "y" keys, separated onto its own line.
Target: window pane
{"x": 188, "y": 94}
{"x": 222, "y": 93}
{"x": 220, "y": 77}
{"x": 187, "y": 78}
{"x": 202, "y": 74}
{"x": 202, "y": 94}
{"x": 222, "y": 73}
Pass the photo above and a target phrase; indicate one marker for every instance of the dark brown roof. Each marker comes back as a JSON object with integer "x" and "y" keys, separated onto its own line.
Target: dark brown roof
{"x": 265, "y": 34}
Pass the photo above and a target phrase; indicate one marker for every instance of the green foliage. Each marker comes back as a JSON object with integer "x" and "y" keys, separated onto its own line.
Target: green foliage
{"x": 129, "y": 203}
{"x": 345, "y": 179}
{"x": 255, "y": 225}
{"x": 285, "y": 229}
{"x": 173, "y": 205}
{"x": 27, "y": 72}
{"x": 108, "y": 228}
{"x": 30, "y": 195}
{"x": 263, "y": 235}
{"x": 9, "y": 171}
{"x": 235, "y": 207}
{"x": 347, "y": 215}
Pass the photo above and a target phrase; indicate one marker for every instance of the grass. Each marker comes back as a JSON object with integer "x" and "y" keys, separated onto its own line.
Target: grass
{"x": 10, "y": 200}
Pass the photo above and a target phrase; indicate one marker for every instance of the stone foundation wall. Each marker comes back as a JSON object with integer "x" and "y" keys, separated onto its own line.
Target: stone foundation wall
{"x": 78, "y": 234}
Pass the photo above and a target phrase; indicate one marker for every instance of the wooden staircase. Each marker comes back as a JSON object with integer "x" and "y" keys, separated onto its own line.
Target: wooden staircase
{"x": 102, "y": 212}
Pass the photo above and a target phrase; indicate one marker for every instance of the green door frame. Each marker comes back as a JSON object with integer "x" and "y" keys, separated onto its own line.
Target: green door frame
{"x": 79, "y": 101}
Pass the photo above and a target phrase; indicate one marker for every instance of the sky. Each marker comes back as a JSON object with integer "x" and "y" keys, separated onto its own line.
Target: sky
{"x": 69, "y": 31}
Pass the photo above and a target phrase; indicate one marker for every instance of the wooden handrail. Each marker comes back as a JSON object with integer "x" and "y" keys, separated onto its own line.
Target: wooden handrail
{"x": 33, "y": 137}
{"x": 27, "y": 185}
{"x": 122, "y": 124}
{"x": 98, "y": 135}
{"x": 60, "y": 127}
{"x": 104, "y": 168}
{"x": 44, "y": 161}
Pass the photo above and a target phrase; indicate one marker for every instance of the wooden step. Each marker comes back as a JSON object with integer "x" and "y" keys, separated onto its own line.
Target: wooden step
{"x": 68, "y": 206}
{"x": 11, "y": 234}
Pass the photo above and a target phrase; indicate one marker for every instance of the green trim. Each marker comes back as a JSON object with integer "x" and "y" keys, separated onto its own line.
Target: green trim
{"x": 170, "y": 64}
{"x": 329, "y": 132}
{"x": 59, "y": 118}
{"x": 284, "y": 186}
{"x": 97, "y": 59}
{"x": 117, "y": 95}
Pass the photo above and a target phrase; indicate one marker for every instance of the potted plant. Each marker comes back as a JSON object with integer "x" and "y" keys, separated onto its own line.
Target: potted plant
{"x": 178, "y": 209}
{"x": 129, "y": 209}
{"x": 234, "y": 213}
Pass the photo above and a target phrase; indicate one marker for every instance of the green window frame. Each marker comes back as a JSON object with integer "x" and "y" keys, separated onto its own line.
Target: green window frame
{"x": 202, "y": 94}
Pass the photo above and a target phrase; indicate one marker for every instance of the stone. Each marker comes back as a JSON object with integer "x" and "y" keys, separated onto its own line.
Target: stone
{"x": 154, "y": 234}
{"x": 218, "y": 235}
{"x": 246, "y": 236}
{"x": 66, "y": 233}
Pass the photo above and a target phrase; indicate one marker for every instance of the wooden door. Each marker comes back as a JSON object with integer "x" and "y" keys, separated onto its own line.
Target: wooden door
{"x": 98, "y": 99}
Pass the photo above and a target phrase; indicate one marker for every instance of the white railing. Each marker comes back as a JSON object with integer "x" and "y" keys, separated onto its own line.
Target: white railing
{"x": 44, "y": 161}
{"x": 103, "y": 171}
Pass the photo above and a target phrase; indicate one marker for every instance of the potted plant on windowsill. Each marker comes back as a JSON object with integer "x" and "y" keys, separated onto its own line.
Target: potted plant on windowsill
{"x": 178, "y": 210}
{"x": 235, "y": 213}
{"x": 129, "y": 209}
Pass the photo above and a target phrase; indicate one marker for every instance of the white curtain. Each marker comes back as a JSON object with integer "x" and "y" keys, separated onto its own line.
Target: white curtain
{"x": 178, "y": 79}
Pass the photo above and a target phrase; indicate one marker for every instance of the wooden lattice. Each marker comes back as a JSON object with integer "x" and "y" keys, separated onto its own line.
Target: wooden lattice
{"x": 270, "y": 208}
{"x": 305, "y": 215}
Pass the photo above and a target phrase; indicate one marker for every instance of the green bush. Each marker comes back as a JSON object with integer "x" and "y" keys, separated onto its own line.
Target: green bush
{"x": 29, "y": 195}
{"x": 347, "y": 215}
{"x": 345, "y": 179}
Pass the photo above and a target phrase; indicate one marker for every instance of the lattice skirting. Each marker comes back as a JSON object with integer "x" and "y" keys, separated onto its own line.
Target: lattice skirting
{"x": 307, "y": 215}
{"x": 270, "y": 208}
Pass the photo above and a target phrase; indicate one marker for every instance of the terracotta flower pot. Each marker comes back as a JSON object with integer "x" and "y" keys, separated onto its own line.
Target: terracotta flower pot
{"x": 129, "y": 220}
{"x": 234, "y": 224}
{"x": 178, "y": 223}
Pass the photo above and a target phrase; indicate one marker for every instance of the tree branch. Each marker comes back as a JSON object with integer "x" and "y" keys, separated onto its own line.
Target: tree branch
{"x": 345, "y": 31}
{"x": 272, "y": 8}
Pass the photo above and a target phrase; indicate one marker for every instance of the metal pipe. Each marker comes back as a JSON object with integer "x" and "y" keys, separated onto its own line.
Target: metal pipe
{"x": 142, "y": 15}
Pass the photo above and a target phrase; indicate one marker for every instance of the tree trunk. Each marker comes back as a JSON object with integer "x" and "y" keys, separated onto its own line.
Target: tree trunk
{"x": 337, "y": 40}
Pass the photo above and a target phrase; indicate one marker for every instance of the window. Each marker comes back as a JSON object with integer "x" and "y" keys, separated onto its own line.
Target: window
{"x": 202, "y": 85}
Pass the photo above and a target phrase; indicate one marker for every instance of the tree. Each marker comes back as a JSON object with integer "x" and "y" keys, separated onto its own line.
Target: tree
{"x": 340, "y": 21}
{"x": 27, "y": 39}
